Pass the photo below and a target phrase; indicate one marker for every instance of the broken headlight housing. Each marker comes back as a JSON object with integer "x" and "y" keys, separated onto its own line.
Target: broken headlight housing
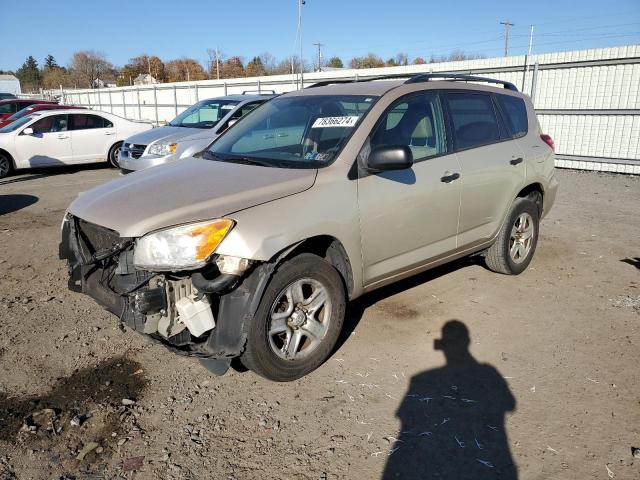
{"x": 186, "y": 247}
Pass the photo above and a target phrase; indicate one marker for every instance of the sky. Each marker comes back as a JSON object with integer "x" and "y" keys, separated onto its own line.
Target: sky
{"x": 123, "y": 29}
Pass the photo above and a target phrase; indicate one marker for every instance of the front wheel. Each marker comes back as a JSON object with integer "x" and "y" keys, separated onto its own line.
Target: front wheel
{"x": 516, "y": 243}
{"x": 114, "y": 155}
{"x": 298, "y": 320}
{"x": 5, "y": 165}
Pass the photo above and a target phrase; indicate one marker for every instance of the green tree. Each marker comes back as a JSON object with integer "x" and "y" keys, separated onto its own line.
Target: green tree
{"x": 335, "y": 62}
{"x": 50, "y": 62}
{"x": 29, "y": 75}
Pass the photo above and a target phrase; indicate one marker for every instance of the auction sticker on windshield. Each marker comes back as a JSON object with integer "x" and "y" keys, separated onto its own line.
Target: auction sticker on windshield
{"x": 326, "y": 122}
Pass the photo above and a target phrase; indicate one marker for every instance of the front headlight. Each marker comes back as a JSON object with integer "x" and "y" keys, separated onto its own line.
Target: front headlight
{"x": 162, "y": 149}
{"x": 181, "y": 248}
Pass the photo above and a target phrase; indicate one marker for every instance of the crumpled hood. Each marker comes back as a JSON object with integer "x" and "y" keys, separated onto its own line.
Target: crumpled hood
{"x": 165, "y": 134}
{"x": 187, "y": 191}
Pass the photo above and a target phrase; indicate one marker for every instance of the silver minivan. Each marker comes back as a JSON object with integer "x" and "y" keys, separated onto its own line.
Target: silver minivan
{"x": 189, "y": 133}
{"x": 253, "y": 248}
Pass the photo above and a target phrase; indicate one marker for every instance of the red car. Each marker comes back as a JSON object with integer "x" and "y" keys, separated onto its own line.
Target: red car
{"x": 11, "y": 106}
{"x": 34, "y": 108}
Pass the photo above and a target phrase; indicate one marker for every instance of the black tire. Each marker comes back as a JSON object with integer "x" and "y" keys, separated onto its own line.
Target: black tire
{"x": 6, "y": 165}
{"x": 260, "y": 356}
{"x": 498, "y": 257}
{"x": 114, "y": 153}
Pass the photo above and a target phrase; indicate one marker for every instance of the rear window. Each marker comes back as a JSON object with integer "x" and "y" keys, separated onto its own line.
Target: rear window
{"x": 516, "y": 112}
{"x": 85, "y": 122}
{"x": 474, "y": 119}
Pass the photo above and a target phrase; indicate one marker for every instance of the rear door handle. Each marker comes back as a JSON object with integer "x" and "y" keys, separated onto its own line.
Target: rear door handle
{"x": 268, "y": 136}
{"x": 516, "y": 161}
{"x": 449, "y": 177}
{"x": 281, "y": 135}
{"x": 109, "y": 133}
{"x": 62, "y": 137}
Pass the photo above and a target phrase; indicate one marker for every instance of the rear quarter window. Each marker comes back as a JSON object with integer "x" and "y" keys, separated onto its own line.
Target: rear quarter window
{"x": 515, "y": 111}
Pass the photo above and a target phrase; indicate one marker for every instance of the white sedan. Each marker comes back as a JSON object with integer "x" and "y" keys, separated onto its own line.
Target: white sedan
{"x": 64, "y": 137}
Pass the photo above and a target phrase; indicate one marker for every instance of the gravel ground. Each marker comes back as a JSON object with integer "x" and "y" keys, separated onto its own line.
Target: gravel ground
{"x": 456, "y": 373}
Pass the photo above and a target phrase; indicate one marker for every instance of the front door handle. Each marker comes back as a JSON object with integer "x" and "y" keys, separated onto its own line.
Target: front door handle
{"x": 62, "y": 137}
{"x": 109, "y": 133}
{"x": 449, "y": 177}
{"x": 516, "y": 161}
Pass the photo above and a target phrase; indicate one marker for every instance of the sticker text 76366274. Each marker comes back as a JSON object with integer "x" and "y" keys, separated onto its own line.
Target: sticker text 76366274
{"x": 326, "y": 122}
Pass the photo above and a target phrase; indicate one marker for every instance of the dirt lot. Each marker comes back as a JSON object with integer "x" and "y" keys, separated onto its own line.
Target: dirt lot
{"x": 549, "y": 386}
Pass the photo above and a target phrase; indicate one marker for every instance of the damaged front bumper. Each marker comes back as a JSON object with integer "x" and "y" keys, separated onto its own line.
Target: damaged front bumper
{"x": 202, "y": 313}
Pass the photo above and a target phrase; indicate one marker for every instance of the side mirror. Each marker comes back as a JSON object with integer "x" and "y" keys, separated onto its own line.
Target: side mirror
{"x": 27, "y": 131}
{"x": 390, "y": 157}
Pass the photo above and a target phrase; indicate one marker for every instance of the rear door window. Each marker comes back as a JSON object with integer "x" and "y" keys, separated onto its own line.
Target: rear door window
{"x": 473, "y": 118}
{"x": 515, "y": 111}
{"x": 85, "y": 122}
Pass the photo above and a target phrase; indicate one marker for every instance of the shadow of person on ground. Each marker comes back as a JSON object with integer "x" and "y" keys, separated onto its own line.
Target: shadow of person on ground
{"x": 15, "y": 202}
{"x": 634, "y": 262}
{"x": 453, "y": 419}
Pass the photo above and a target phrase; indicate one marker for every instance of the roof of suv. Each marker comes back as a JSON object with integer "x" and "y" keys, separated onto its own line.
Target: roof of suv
{"x": 380, "y": 85}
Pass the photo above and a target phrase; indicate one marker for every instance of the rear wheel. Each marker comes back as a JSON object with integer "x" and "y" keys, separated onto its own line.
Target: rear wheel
{"x": 114, "y": 155}
{"x": 298, "y": 321}
{"x": 6, "y": 166}
{"x": 516, "y": 243}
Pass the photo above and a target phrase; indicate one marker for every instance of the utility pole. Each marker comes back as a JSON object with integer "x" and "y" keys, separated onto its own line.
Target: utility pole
{"x": 217, "y": 64}
{"x": 319, "y": 45}
{"x": 300, "y": 4}
{"x": 506, "y": 36}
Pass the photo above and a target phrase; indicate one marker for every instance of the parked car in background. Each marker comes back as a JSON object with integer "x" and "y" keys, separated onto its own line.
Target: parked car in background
{"x": 64, "y": 137}
{"x": 36, "y": 108}
{"x": 253, "y": 248}
{"x": 190, "y": 132}
{"x": 10, "y": 106}
{"x": 7, "y": 96}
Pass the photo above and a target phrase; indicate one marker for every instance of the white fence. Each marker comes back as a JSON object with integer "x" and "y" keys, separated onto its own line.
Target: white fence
{"x": 587, "y": 100}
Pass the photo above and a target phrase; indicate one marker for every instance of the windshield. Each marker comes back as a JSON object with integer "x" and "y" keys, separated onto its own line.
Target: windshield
{"x": 296, "y": 132}
{"x": 21, "y": 113}
{"x": 17, "y": 124}
{"x": 204, "y": 114}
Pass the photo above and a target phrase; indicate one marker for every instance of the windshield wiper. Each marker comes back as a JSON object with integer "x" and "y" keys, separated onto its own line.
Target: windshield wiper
{"x": 209, "y": 155}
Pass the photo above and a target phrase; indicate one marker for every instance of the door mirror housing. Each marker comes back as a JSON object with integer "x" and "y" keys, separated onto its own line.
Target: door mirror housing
{"x": 390, "y": 157}
{"x": 27, "y": 131}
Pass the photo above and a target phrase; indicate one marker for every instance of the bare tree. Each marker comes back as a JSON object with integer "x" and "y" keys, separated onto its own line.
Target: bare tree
{"x": 89, "y": 65}
{"x": 269, "y": 62}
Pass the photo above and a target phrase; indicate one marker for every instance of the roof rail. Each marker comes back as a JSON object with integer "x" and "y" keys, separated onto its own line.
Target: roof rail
{"x": 423, "y": 77}
{"x": 261, "y": 91}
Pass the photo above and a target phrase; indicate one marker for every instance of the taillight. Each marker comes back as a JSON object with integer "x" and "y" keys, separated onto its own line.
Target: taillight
{"x": 548, "y": 140}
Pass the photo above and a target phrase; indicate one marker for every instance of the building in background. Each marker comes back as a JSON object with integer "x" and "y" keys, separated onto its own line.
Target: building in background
{"x": 144, "y": 79}
{"x": 10, "y": 84}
